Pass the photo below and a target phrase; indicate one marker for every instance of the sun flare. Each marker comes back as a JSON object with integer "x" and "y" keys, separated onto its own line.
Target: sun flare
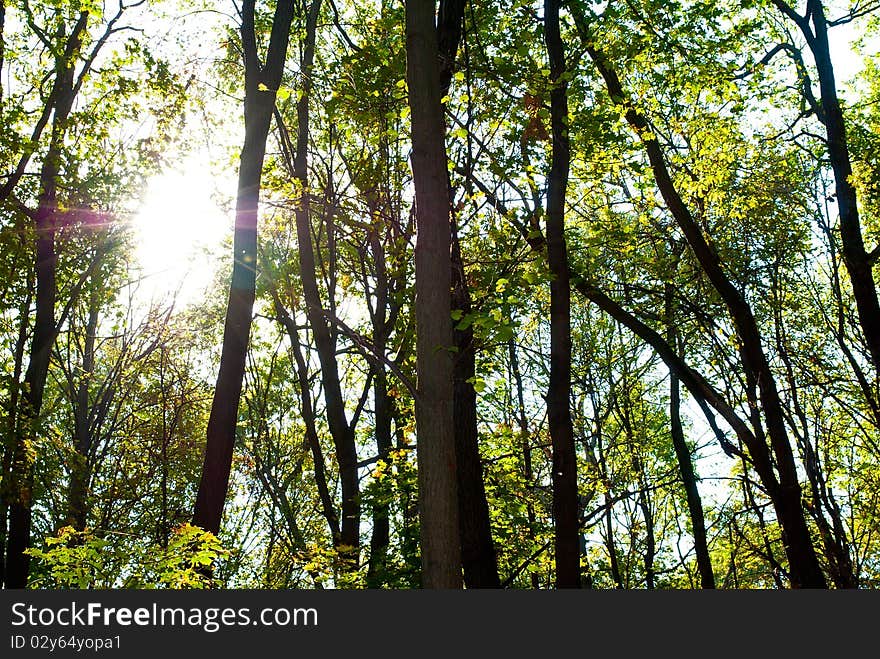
{"x": 178, "y": 230}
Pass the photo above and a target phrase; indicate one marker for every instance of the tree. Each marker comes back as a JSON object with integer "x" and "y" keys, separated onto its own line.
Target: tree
{"x": 858, "y": 261}
{"x": 72, "y": 37}
{"x": 438, "y": 504}
{"x": 785, "y": 491}
{"x": 261, "y": 82}
{"x": 565, "y": 489}
{"x": 478, "y": 553}
{"x": 45, "y": 328}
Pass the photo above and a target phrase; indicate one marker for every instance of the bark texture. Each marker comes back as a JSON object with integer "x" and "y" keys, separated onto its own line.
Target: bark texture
{"x": 438, "y": 500}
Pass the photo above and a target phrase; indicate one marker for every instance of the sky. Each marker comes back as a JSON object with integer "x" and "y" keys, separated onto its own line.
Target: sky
{"x": 183, "y": 218}
{"x": 180, "y": 230}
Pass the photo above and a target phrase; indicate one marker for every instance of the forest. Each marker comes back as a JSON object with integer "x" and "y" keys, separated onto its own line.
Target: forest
{"x": 505, "y": 294}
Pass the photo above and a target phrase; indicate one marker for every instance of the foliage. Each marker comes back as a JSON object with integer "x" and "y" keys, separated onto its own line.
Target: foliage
{"x": 85, "y": 560}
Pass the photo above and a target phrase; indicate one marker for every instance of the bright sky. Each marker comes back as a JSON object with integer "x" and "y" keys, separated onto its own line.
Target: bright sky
{"x": 180, "y": 228}
{"x": 847, "y": 63}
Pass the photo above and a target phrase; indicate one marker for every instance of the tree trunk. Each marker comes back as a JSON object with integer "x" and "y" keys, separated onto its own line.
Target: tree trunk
{"x": 45, "y": 330}
{"x": 340, "y": 430}
{"x": 261, "y": 85}
{"x": 525, "y": 445}
{"x": 565, "y": 490}
{"x": 381, "y": 535}
{"x": 383, "y": 411}
{"x": 12, "y": 415}
{"x": 685, "y": 462}
{"x": 438, "y": 501}
{"x": 859, "y": 264}
{"x": 477, "y": 551}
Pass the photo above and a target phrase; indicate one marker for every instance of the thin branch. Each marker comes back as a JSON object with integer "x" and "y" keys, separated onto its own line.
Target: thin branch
{"x": 369, "y": 350}
{"x": 342, "y": 31}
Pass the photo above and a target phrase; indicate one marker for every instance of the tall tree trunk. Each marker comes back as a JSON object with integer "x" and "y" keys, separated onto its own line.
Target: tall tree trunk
{"x": 383, "y": 411}
{"x": 45, "y": 330}
{"x": 477, "y": 551}
{"x": 11, "y": 417}
{"x": 683, "y": 456}
{"x": 261, "y": 85}
{"x": 859, "y": 263}
{"x": 478, "y": 557}
{"x": 565, "y": 490}
{"x": 340, "y": 430}
{"x": 438, "y": 500}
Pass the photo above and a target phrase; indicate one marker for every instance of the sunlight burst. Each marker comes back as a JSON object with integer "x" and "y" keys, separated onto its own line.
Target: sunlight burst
{"x": 178, "y": 231}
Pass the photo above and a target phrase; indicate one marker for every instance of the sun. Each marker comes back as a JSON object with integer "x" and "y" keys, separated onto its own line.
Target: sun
{"x": 178, "y": 230}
